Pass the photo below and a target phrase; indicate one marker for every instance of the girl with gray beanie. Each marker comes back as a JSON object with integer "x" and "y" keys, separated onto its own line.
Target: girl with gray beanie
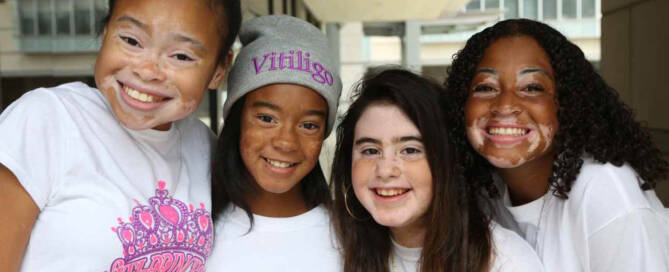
{"x": 270, "y": 200}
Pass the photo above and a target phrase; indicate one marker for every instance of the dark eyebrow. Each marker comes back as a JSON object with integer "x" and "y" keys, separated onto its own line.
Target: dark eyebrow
{"x": 259, "y": 104}
{"x": 366, "y": 140}
{"x": 193, "y": 41}
{"x": 407, "y": 138}
{"x": 316, "y": 112}
{"x": 487, "y": 71}
{"x": 126, "y": 18}
{"x": 534, "y": 70}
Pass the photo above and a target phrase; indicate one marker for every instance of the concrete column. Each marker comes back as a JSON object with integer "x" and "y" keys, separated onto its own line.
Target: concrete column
{"x": 332, "y": 32}
{"x": 634, "y": 62}
{"x": 411, "y": 46}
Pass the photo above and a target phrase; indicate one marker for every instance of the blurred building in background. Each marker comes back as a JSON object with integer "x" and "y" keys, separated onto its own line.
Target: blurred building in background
{"x": 49, "y": 42}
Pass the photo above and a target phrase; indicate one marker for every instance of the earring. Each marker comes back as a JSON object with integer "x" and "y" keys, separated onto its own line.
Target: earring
{"x": 346, "y": 205}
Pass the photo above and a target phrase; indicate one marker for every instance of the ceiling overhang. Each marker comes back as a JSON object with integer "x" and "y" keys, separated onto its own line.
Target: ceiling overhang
{"x": 382, "y": 10}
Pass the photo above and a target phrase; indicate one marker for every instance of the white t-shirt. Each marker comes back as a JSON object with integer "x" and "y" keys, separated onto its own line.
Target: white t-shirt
{"x": 607, "y": 224}
{"x": 89, "y": 176}
{"x": 292, "y": 244}
{"x": 511, "y": 254}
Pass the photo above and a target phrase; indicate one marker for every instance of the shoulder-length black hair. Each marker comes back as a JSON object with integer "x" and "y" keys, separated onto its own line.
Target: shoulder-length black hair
{"x": 231, "y": 183}
{"x": 593, "y": 120}
{"x": 457, "y": 234}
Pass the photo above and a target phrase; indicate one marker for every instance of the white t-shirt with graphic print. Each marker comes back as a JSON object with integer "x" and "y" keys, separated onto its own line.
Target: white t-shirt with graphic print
{"x": 96, "y": 184}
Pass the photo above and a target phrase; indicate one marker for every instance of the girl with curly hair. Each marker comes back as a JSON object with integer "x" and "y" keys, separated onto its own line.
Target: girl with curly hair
{"x": 574, "y": 170}
{"x": 401, "y": 203}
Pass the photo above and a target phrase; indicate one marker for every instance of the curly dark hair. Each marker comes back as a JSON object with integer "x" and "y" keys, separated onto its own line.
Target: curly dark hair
{"x": 593, "y": 120}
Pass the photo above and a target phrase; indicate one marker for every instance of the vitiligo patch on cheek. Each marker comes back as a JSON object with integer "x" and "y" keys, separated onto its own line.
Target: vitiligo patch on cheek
{"x": 475, "y": 134}
{"x": 535, "y": 140}
{"x": 547, "y": 133}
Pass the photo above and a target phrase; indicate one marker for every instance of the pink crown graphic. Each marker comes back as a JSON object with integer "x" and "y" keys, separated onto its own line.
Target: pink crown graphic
{"x": 165, "y": 225}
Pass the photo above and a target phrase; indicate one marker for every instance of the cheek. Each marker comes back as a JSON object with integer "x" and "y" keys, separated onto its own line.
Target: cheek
{"x": 361, "y": 172}
{"x": 250, "y": 141}
{"x": 421, "y": 180}
{"x": 311, "y": 147}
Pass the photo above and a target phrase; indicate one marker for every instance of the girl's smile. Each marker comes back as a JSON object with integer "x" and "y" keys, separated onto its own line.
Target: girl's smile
{"x": 157, "y": 60}
{"x": 282, "y": 129}
{"x": 390, "y": 173}
{"x": 511, "y": 112}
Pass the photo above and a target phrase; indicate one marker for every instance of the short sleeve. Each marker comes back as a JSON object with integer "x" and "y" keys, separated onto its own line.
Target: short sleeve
{"x": 32, "y": 140}
{"x": 637, "y": 241}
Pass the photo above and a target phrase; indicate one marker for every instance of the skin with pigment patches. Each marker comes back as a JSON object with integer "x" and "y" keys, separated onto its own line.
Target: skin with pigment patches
{"x": 175, "y": 65}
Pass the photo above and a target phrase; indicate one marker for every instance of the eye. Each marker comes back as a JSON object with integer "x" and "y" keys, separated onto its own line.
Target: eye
{"x": 310, "y": 126}
{"x": 533, "y": 88}
{"x": 411, "y": 151}
{"x": 266, "y": 118}
{"x": 370, "y": 151}
{"x": 183, "y": 57}
{"x": 130, "y": 41}
{"x": 483, "y": 88}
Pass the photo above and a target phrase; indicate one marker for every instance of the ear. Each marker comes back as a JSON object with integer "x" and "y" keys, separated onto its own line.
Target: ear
{"x": 220, "y": 72}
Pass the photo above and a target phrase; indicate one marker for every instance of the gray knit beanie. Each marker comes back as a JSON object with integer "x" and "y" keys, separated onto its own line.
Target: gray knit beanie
{"x": 284, "y": 49}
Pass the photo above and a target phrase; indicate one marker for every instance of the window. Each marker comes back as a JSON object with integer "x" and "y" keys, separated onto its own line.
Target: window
{"x": 60, "y": 17}
{"x": 511, "y": 9}
{"x": 530, "y": 9}
{"x": 63, "y": 17}
{"x": 28, "y": 16}
{"x": 474, "y": 5}
{"x": 44, "y": 14}
{"x": 588, "y": 8}
{"x": 550, "y": 9}
{"x": 569, "y": 9}
{"x": 491, "y": 4}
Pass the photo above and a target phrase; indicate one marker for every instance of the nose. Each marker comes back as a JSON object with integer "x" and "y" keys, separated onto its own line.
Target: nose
{"x": 285, "y": 140}
{"x": 148, "y": 69}
{"x": 387, "y": 167}
{"x": 505, "y": 104}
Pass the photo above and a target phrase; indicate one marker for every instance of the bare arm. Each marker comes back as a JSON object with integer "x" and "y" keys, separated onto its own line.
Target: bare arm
{"x": 18, "y": 213}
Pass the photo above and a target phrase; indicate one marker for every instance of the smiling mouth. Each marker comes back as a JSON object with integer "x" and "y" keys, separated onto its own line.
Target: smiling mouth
{"x": 141, "y": 96}
{"x": 388, "y": 192}
{"x": 279, "y": 164}
{"x": 502, "y": 131}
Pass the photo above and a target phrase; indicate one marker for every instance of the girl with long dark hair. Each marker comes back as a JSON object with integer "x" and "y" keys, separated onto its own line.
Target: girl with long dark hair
{"x": 270, "y": 200}
{"x": 575, "y": 171}
{"x": 401, "y": 202}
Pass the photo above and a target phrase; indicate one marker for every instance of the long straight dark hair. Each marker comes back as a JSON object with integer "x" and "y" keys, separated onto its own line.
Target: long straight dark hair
{"x": 231, "y": 182}
{"x": 457, "y": 231}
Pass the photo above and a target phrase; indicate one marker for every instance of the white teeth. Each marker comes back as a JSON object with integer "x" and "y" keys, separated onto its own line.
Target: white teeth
{"x": 507, "y": 131}
{"x": 279, "y": 164}
{"x": 390, "y": 192}
{"x": 144, "y": 97}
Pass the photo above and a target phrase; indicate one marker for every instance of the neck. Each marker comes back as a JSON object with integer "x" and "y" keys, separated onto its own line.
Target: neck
{"x": 287, "y": 204}
{"x": 529, "y": 181}
{"x": 411, "y": 236}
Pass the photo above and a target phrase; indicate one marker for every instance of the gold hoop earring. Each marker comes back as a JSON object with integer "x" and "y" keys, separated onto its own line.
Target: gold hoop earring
{"x": 346, "y": 189}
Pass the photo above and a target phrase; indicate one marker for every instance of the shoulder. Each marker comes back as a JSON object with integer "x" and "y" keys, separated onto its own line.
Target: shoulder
{"x": 62, "y": 99}
{"x": 195, "y": 130}
{"x": 511, "y": 252}
{"x": 604, "y": 186}
{"x": 604, "y": 192}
